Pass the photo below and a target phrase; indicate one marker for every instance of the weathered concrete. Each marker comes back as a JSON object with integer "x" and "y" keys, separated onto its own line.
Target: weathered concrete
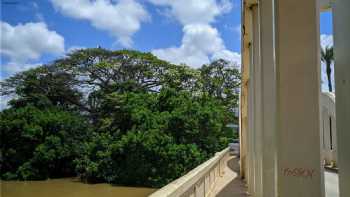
{"x": 342, "y": 89}
{"x": 268, "y": 97}
{"x": 298, "y": 88}
{"x": 230, "y": 184}
{"x": 199, "y": 182}
{"x": 281, "y": 54}
{"x": 219, "y": 176}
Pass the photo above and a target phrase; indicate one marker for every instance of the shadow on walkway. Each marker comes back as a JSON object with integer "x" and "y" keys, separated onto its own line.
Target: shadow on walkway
{"x": 233, "y": 185}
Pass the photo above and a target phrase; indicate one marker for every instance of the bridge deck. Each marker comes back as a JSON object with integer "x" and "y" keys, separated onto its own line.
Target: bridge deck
{"x": 230, "y": 185}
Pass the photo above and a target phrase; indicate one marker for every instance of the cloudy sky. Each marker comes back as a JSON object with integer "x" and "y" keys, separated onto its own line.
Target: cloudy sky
{"x": 194, "y": 32}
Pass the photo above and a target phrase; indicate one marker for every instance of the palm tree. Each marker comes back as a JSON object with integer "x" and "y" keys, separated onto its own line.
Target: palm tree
{"x": 327, "y": 57}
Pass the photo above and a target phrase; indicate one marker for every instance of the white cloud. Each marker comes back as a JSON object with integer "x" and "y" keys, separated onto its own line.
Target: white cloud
{"x": 326, "y": 40}
{"x": 226, "y": 6}
{"x": 194, "y": 49}
{"x": 14, "y": 67}
{"x": 29, "y": 41}
{"x": 195, "y": 11}
{"x": 179, "y": 55}
{"x": 228, "y": 55}
{"x": 4, "y": 102}
{"x": 198, "y": 36}
{"x": 201, "y": 43}
{"x": 74, "y": 48}
{"x": 24, "y": 42}
{"x": 121, "y": 19}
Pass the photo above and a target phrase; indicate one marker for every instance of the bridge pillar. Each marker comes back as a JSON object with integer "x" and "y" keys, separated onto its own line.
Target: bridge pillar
{"x": 268, "y": 98}
{"x": 247, "y": 156}
{"x": 256, "y": 97}
{"x": 298, "y": 88}
{"x": 341, "y": 15}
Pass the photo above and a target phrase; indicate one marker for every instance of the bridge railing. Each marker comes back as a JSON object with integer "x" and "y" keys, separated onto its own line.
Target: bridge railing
{"x": 199, "y": 182}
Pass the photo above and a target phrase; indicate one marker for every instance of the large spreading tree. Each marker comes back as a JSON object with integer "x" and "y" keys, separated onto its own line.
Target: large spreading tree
{"x": 123, "y": 117}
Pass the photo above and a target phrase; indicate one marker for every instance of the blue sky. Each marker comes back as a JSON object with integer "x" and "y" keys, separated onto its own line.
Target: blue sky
{"x": 182, "y": 31}
{"x": 161, "y": 29}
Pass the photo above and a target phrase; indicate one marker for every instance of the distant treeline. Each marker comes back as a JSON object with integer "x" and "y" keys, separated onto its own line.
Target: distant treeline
{"x": 122, "y": 117}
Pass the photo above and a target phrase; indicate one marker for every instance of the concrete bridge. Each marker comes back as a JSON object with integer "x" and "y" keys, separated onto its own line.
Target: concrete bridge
{"x": 219, "y": 176}
{"x": 280, "y": 104}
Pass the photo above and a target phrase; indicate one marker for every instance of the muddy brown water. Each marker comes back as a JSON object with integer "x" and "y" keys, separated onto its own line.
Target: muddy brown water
{"x": 68, "y": 187}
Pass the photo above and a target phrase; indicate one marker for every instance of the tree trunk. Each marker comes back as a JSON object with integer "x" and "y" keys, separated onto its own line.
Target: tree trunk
{"x": 329, "y": 71}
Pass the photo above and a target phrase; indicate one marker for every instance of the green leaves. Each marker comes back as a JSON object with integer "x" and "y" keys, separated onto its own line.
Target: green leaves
{"x": 151, "y": 156}
{"x": 123, "y": 117}
{"x": 154, "y": 137}
{"x": 42, "y": 141}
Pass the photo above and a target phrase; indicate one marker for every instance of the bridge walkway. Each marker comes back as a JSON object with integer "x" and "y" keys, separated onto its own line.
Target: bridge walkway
{"x": 230, "y": 184}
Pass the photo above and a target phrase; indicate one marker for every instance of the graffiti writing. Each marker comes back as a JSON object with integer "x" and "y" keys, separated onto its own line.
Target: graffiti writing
{"x": 299, "y": 172}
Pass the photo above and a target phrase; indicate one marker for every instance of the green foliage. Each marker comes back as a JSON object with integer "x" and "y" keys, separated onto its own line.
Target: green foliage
{"x": 37, "y": 144}
{"x": 221, "y": 81}
{"x": 122, "y": 117}
{"x": 147, "y": 158}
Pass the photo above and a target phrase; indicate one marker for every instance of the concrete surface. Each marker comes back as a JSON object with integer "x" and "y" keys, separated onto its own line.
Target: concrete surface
{"x": 230, "y": 185}
{"x": 199, "y": 182}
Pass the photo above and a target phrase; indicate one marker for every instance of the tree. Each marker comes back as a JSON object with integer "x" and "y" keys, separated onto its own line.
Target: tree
{"x": 40, "y": 143}
{"x": 221, "y": 80}
{"x": 168, "y": 133}
{"x": 123, "y": 117}
{"x": 44, "y": 86}
{"x": 327, "y": 57}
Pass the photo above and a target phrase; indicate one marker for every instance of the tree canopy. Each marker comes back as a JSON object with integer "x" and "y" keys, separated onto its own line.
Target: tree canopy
{"x": 122, "y": 117}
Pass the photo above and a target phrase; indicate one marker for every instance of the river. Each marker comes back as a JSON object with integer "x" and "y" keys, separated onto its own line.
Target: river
{"x": 68, "y": 187}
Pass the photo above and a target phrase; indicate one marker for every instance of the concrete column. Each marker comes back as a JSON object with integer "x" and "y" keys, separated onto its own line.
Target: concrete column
{"x": 257, "y": 102}
{"x": 244, "y": 97}
{"x": 251, "y": 131}
{"x": 268, "y": 97}
{"x": 247, "y": 93}
{"x": 298, "y": 89}
{"x": 341, "y": 16}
